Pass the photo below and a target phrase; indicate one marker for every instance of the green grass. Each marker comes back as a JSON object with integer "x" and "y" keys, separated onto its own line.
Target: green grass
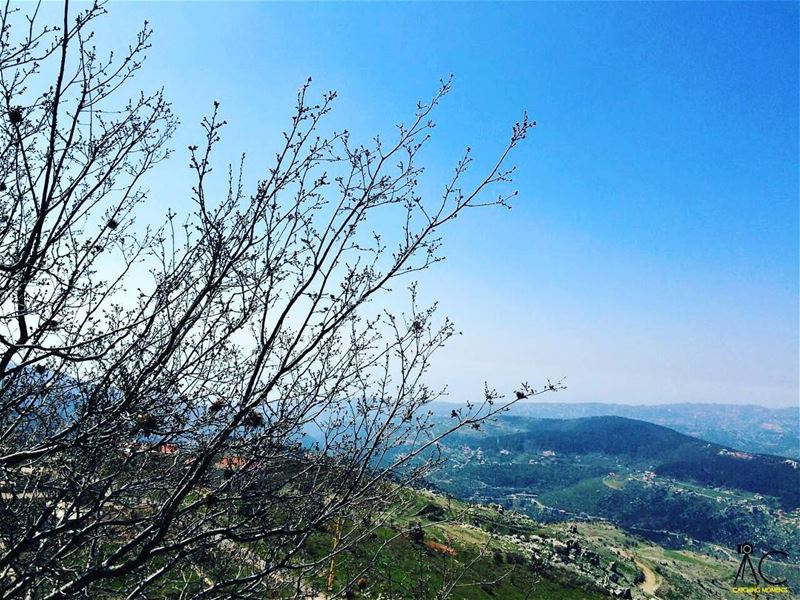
{"x": 614, "y": 483}
{"x": 483, "y": 567}
{"x": 681, "y": 556}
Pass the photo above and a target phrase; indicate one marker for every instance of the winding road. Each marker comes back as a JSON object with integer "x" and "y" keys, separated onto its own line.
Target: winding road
{"x": 650, "y": 583}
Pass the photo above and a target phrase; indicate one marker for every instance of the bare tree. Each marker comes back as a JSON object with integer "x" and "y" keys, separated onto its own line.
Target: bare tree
{"x": 183, "y": 408}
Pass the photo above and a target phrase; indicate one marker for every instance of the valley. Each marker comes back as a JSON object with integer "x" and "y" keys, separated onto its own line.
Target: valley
{"x": 678, "y": 492}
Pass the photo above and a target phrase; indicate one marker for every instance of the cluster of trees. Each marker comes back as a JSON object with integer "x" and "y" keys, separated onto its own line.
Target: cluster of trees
{"x": 158, "y": 386}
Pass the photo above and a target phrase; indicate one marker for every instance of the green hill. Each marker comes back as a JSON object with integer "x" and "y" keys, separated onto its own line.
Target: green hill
{"x": 665, "y": 451}
{"x": 765, "y": 430}
{"x": 649, "y": 479}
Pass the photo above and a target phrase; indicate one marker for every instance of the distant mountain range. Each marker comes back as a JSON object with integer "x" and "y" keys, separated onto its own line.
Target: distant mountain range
{"x": 744, "y": 427}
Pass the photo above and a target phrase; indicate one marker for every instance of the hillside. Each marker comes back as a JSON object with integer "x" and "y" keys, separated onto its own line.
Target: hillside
{"x": 662, "y": 450}
{"x": 673, "y": 488}
{"x": 485, "y": 552}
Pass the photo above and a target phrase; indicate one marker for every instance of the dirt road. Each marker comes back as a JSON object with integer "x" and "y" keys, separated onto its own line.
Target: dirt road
{"x": 650, "y": 583}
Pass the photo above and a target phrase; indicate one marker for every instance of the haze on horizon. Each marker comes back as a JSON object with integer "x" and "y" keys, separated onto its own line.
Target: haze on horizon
{"x": 652, "y": 255}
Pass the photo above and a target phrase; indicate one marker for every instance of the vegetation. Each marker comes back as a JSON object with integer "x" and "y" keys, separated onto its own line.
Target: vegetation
{"x": 644, "y": 477}
{"x": 463, "y": 546}
{"x": 159, "y": 385}
{"x": 220, "y": 405}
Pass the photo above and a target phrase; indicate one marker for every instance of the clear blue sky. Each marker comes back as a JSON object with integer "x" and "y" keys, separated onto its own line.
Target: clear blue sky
{"x": 653, "y": 253}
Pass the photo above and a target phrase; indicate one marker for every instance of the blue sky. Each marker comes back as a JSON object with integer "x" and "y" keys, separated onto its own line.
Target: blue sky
{"x": 653, "y": 253}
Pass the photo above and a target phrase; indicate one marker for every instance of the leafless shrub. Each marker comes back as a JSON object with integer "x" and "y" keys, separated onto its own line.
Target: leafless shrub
{"x": 187, "y": 435}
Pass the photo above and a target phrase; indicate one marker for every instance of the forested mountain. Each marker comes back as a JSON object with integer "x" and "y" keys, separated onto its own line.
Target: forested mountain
{"x": 647, "y": 478}
{"x": 746, "y": 427}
